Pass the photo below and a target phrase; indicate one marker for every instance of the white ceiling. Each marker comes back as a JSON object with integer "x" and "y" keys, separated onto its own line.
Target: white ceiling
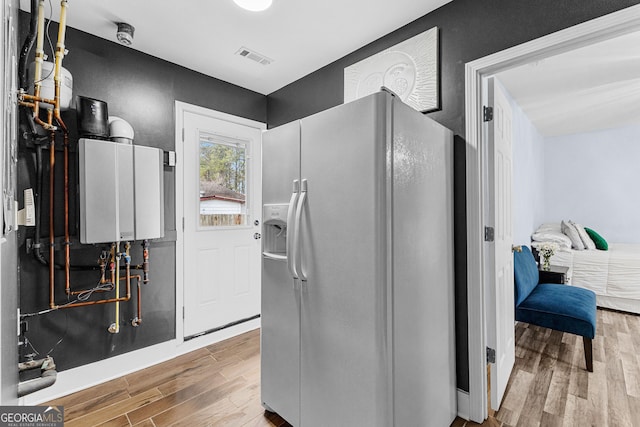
{"x": 300, "y": 36}
{"x": 591, "y": 88}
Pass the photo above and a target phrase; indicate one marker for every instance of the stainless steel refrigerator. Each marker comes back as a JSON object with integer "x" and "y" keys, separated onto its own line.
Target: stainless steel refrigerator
{"x": 357, "y": 271}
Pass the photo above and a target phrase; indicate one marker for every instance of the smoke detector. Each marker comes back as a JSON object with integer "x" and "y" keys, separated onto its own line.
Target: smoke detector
{"x": 125, "y": 33}
{"x": 254, "y": 56}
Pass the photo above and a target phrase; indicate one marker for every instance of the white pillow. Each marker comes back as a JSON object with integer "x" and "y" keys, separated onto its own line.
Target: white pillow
{"x": 572, "y": 233}
{"x": 550, "y": 226}
{"x": 588, "y": 243}
{"x": 552, "y": 236}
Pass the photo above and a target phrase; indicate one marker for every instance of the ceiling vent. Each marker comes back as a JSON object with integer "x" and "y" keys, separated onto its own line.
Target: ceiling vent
{"x": 254, "y": 56}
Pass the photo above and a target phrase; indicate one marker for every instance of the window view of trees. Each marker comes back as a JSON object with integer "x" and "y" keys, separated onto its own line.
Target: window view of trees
{"x": 224, "y": 165}
{"x": 223, "y": 183}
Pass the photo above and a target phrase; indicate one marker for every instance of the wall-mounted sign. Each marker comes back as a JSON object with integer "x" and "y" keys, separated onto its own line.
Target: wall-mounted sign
{"x": 410, "y": 69}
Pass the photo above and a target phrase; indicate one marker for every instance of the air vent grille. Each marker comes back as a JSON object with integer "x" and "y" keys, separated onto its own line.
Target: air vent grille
{"x": 254, "y": 56}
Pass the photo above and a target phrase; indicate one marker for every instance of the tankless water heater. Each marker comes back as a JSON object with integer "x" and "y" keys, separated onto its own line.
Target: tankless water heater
{"x": 121, "y": 191}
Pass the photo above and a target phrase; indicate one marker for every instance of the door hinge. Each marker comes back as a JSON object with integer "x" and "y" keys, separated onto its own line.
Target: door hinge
{"x": 183, "y": 312}
{"x": 491, "y": 355}
{"x": 183, "y": 224}
{"x": 489, "y": 234}
{"x": 487, "y": 114}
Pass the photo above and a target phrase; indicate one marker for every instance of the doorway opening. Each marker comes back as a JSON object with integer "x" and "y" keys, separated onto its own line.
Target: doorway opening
{"x": 477, "y": 74}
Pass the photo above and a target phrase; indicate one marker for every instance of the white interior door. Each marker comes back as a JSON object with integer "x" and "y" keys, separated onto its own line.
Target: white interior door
{"x": 500, "y": 293}
{"x": 222, "y": 215}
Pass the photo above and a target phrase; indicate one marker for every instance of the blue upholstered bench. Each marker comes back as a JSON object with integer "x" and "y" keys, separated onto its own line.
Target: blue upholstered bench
{"x": 560, "y": 307}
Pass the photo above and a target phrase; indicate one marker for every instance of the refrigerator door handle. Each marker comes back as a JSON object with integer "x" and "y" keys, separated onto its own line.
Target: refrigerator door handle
{"x": 298, "y": 258}
{"x": 291, "y": 230}
{"x": 277, "y": 257}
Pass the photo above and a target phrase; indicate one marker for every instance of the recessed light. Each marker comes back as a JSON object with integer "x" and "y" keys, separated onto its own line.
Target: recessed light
{"x": 254, "y": 5}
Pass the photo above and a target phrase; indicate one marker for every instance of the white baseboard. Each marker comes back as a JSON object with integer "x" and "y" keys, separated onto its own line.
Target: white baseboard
{"x": 86, "y": 376}
{"x": 463, "y": 404}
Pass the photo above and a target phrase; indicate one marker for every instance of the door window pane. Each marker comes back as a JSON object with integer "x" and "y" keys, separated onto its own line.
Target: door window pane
{"x": 223, "y": 181}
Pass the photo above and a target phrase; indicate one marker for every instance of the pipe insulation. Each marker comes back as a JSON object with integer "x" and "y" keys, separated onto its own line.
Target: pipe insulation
{"x": 47, "y": 378}
{"x": 28, "y": 45}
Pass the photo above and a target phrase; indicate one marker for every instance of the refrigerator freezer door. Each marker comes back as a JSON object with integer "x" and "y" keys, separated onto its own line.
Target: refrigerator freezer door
{"x": 280, "y": 348}
{"x": 280, "y": 330}
{"x": 423, "y": 316}
{"x": 280, "y": 162}
{"x": 344, "y": 322}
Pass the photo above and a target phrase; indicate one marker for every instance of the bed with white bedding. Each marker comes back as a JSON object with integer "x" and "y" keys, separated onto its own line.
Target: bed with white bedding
{"x": 613, "y": 274}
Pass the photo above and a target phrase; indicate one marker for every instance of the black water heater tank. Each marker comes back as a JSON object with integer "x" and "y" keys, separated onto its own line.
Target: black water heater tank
{"x": 93, "y": 118}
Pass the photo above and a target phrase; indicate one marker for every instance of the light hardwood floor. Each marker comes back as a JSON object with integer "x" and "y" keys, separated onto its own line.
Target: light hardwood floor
{"x": 220, "y": 385}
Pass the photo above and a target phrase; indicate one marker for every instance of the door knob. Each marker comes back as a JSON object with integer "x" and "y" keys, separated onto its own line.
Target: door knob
{"x": 257, "y": 236}
{"x": 516, "y": 248}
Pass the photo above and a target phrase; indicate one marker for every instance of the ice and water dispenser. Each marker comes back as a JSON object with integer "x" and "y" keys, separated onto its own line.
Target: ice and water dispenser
{"x": 274, "y": 217}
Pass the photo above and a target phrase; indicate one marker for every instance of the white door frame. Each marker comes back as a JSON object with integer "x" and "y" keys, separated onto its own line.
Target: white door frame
{"x": 609, "y": 26}
{"x": 180, "y": 109}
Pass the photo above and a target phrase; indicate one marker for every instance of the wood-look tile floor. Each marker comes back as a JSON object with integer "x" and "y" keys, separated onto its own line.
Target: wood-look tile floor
{"x": 219, "y": 385}
{"x": 549, "y": 385}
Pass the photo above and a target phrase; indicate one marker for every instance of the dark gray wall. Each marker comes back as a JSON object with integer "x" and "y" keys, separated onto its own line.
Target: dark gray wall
{"x": 142, "y": 90}
{"x": 469, "y": 29}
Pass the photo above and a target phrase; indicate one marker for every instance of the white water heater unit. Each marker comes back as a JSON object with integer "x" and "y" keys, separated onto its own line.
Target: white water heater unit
{"x": 121, "y": 191}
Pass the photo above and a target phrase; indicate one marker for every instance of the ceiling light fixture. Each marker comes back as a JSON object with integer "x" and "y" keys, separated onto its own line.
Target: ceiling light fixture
{"x": 254, "y": 5}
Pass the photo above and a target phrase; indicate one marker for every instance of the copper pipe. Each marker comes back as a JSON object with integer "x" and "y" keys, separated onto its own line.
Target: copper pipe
{"x": 112, "y": 263}
{"x": 103, "y": 280}
{"x": 27, "y": 104}
{"x": 39, "y": 58}
{"x": 103, "y": 301}
{"x": 56, "y": 112}
{"x": 36, "y": 113}
{"x": 67, "y": 239}
{"x": 82, "y": 291}
{"x": 117, "y": 283}
{"x": 138, "y": 280}
{"x": 85, "y": 303}
{"x": 103, "y": 268}
{"x": 138, "y": 320}
{"x": 52, "y": 163}
{"x": 62, "y": 28}
{"x": 26, "y": 96}
{"x": 145, "y": 261}
{"x": 127, "y": 263}
{"x": 99, "y": 290}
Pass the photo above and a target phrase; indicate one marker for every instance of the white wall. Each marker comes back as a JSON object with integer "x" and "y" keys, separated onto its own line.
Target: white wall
{"x": 594, "y": 179}
{"x": 528, "y": 166}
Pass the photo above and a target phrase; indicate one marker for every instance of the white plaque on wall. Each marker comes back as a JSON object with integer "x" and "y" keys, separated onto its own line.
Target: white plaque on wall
{"x": 409, "y": 69}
